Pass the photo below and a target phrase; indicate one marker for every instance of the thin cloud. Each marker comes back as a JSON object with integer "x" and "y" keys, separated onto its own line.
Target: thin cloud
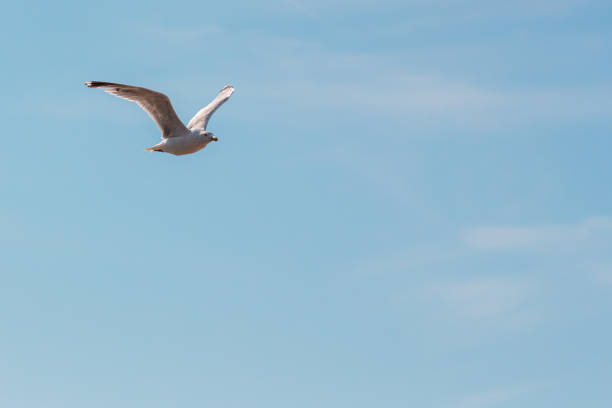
{"x": 476, "y": 8}
{"x": 522, "y": 237}
{"x": 185, "y": 35}
{"x": 491, "y": 398}
{"x": 382, "y": 86}
{"x": 483, "y": 298}
{"x": 604, "y": 275}
{"x": 294, "y": 75}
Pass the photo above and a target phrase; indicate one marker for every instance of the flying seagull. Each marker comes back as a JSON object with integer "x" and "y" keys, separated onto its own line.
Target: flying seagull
{"x": 176, "y": 138}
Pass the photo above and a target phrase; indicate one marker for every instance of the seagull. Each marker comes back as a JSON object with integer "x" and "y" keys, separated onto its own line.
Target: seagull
{"x": 176, "y": 138}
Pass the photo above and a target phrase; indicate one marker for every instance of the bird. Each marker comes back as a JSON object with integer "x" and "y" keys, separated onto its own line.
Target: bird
{"x": 177, "y": 138}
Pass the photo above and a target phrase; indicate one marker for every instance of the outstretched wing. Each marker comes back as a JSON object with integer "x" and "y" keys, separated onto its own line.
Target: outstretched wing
{"x": 201, "y": 118}
{"x": 156, "y": 104}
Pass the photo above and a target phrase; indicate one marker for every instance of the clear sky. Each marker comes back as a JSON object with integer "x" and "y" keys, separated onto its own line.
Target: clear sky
{"x": 409, "y": 205}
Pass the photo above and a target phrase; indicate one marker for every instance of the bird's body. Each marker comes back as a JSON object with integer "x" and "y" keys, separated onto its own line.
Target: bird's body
{"x": 177, "y": 138}
{"x": 189, "y": 142}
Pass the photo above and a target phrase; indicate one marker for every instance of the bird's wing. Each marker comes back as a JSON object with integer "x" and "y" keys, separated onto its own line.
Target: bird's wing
{"x": 156, "y": 104}
{"x": 201, "y": 118}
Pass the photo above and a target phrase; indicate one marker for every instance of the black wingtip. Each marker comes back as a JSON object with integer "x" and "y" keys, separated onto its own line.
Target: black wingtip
{"x": 97, "y": 84}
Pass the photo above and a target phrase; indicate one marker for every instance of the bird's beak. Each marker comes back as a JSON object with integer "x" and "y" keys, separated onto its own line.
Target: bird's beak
{"x": 214, "y": 138}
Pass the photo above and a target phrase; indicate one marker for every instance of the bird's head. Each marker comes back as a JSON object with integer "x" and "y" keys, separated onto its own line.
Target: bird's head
{"x": 209, "y": 136}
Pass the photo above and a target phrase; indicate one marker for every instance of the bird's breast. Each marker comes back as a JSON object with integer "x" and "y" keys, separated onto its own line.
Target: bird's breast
{"x": 184, "y": 144}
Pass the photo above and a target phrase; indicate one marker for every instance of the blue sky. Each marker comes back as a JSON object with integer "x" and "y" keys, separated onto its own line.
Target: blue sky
{"x": 408, "y": 205}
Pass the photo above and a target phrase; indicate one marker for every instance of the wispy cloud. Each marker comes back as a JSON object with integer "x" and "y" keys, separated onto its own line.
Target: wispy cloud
{"x": 312, "y": 77}
{"x": 189, "y": 34}
{"x": 186, "y": 36}
{"x": 381, "y": 85}
{"x": 400, "y": 94}
{"x": 417, "y": 98}
{"x": 604, "y": 274}
{"x": 490, "y": 398}
{"x": 483, "y": 298}
{"x": 479, "y": 8}
{"x": 524, "y": 237}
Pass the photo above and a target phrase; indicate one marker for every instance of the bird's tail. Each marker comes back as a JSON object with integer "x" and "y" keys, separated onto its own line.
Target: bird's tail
{"x": 156, "y": 148}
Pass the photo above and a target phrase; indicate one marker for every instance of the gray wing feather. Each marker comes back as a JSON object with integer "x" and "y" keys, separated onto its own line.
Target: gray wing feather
{"x": 200, "y": 120}
{"x": 156, "y": 104}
